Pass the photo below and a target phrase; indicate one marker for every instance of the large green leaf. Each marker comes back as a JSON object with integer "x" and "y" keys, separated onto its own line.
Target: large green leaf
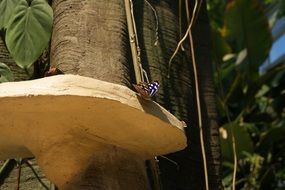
{"x": 242, "y": 140}
{"x": 247, "y": 28}
{"x": 29, "y": 31}
{"x": 6, "y": 9}
{"x": 5, "y": 73}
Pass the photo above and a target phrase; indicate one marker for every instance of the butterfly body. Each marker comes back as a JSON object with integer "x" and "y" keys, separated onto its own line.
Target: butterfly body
{"x": 147, "y": 90}
{"x": 53, "y": 71}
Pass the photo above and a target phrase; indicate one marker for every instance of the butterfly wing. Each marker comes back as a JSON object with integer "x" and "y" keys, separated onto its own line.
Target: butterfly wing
{"x": 153, "y": 88}
{"x": 147, "y": 90}
{"x": 142, "y": 89}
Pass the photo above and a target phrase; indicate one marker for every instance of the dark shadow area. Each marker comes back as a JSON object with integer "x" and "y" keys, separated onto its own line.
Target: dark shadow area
{"x": 6, "y": 169}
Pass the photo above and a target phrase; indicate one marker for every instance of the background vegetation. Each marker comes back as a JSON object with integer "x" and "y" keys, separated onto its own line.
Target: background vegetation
{"x": 251, "y": 105}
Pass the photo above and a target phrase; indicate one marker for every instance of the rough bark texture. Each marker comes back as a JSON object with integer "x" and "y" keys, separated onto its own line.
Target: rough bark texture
{"x": 18, "y": 73}
{"x": 28, "y": 180}
{"x": 90, "y": 39}
{"x": 112, "y": 170}
{"x": 177, "y": 93}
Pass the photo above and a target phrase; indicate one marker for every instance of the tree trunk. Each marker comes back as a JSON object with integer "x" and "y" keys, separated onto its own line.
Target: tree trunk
{"x": 177, "y": 93}
{"x": 112, "y": 170}
{"x": 27, "y": 180}
{"x": 90, "y": 39}
{"x": 5, "y": 57}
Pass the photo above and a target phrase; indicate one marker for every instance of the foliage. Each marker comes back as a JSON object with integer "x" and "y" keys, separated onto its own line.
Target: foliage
{"x": 5, "y": 73}
{"x": 28, "y": 31}
{"x": 6, "y": 9}
{"x": 251, "y": 105}
{"x": 26, "y": 27}
{"x": 242, "y": 146}
{"x": 243, "y": 19}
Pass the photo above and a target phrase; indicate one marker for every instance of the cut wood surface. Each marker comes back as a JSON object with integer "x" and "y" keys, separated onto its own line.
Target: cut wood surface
{"x": 74, "y": 124}
{"x": 71, "y": 109}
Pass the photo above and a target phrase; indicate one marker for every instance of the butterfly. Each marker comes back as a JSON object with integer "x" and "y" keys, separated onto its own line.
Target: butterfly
{"x": 147, "y": 90}
{"x": 53, "y": 71}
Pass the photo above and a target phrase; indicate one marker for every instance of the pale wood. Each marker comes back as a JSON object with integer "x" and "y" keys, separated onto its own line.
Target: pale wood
{"x": 69, "y": 122}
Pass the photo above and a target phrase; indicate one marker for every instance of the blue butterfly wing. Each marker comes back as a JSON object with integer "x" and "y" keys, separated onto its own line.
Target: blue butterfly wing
{"x": 147, "y": 90}
{"x": 152, "y": 88}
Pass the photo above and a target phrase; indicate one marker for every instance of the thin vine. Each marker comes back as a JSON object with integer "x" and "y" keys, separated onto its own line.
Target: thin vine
{"x": 19, "y": 164}
{"x": 231, "y": 129}
{"x": 26, "y": 161}
{"x": 189, "y": 33}
{"x": 197, "y": 90}
{"x": 234, "y": 150}
{"x": 180, "y": 23}
{"x": 133, "y": 41}
{"x": 140, "y": 73}
{"x": 156, "y": 21}
{"x": 184, "y": 37}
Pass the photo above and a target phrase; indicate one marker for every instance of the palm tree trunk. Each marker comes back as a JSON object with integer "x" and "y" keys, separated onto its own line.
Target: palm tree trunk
{"x": 177, "y": 93}
{"x": 90, "y": 39}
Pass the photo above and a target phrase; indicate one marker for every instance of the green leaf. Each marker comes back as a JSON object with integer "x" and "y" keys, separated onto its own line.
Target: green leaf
{"x": 271, "y": 137}
{"x": 6, "y": 9}
{"x": 29, "y": 31}
{"x": 242, "y": 140}
{"x": 247, "y": 28}
{"x": 5, "y": 73}
{"x": 220, "y": 46}
{"x": 266, "y": 78}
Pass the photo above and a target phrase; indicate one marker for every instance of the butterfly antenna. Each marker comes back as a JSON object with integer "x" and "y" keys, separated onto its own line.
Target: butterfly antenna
{"x": 171, "y": 161}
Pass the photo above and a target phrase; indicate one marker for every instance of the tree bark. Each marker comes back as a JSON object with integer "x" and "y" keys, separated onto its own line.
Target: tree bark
{"x": 28, "y": 180}
{"x": 90, "y": 39}
{"x": 5, "y": 57}
{"x": 112, "y": 170}
{"x": 177, "y": 93}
